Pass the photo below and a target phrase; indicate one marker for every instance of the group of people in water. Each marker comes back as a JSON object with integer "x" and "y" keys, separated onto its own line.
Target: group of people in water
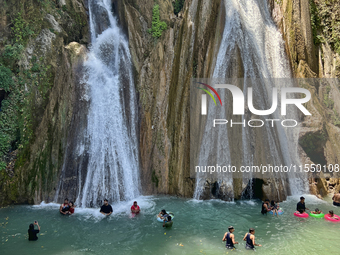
{"x": 68, "y": 208}
{"x": 301, "y": 208}
{"x": 270, "y": 207}
{"x": 273, "y": 207}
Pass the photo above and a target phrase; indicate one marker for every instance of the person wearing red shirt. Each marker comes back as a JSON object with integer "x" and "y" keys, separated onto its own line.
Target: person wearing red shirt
{"x": 135, "y": 208}
{"x": 71, "y": 210}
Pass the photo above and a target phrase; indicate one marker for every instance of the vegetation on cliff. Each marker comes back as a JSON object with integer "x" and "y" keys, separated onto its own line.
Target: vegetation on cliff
{"x": 325, "y": 21}
{"x": 27, "y": 72}
{"x": 157, "y": 26}
{"x": 178, "y": 5}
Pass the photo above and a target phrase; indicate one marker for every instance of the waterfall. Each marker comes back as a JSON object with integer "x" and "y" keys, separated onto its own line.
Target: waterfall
{"x": 111, "y": 142}
{"x": 251, "y": 44}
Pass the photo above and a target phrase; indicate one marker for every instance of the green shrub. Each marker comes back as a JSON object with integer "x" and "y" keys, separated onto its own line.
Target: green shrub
{"x": 315, "y": 21}
{"x": 178, "y": 5}
{"x": 21, "y": 29}
{"x": 13, "y": 52}
{"x": 325, "y": 24}
{"x": 157, "y": 26}
{"x": 4, "y": 144}
{"x": 35, "y": 68}
{"x": 2, "y": 165}
{"x": 6, "y": 81}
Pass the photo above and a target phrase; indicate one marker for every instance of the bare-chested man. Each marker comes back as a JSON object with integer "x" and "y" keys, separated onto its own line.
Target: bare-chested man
{"x": 336, "y": 199}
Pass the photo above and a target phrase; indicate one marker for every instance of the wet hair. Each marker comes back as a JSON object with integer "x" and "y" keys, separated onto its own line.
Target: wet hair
{"x": 251, "y": 230}
{"x": 135, "y": 202}
{"x": 267, "y": 200}
{"x": 71, "y": 202}
{"x": 66, "y": 199}
{"x": 106, "y": 200}
{"x": 300, "y": 211}
{"x": 169, "y": 218}
{"x": 31, "y": 227}
{"x": 272, "y": 202}
{"x": 316, "y": 209}
{"x": 163, "y": 211}
{"x": 331, "y": 212}
{"x": 302, "y": 198}
{"x": 230, "y": 228}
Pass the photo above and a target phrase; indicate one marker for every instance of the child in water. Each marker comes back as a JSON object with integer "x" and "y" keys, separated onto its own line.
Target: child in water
{"x": 274, "y": 208}
{"x": 317, "y": 211}
{"x": 332, "y": 216}
{"x": 167, "y": 222}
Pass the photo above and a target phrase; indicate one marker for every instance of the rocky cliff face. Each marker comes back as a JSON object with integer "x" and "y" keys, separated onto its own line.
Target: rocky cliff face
{"x": 164, "y": 68}
{"x": 311, "y": 31}
{"x": 40, "y": 43}
{"x": 188, "y": 49}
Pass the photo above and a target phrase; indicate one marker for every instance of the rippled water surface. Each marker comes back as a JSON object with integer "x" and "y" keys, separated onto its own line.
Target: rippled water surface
{"x": 198, "y": 229}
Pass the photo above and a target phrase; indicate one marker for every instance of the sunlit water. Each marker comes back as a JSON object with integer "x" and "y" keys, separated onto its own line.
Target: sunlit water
{"x": 198, "y": 229}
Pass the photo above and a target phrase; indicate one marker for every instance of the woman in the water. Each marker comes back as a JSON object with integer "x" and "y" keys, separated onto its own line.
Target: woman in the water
{"x": 71, "y": 208}
{"x": 162, "y": 214}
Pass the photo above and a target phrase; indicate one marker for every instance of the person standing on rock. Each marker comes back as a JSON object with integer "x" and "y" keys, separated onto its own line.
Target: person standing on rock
{"x": 336, "y": 199}
{"x": 106, "y": 209}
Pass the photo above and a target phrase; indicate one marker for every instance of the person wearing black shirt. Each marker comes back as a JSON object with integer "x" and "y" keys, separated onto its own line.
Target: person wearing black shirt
{"x": 32, "y": 233}
{"x": 265, "y": 207}
{"x": 301, "y": 206}
{"x": 106, "y": 209}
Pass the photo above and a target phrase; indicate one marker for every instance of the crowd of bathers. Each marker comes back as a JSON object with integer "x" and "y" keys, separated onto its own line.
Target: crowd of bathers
{"x": 272, "y": 206}
{"x": 68, "y": 208}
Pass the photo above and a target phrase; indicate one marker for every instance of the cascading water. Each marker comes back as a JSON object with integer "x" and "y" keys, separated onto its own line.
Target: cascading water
{"x": 251, "y": 35}
{"x": 111, "y": 143}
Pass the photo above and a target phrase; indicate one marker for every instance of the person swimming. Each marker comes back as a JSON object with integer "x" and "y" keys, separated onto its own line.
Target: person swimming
{"x": 274, "y": 208}
{"x": 317, "y": 211}
{"x": 71, "y": 208}
{"x": 64, "y": 208}
{"x": 336, "y": 199}
{"x": 229, "y": 238}
{"x": 135, "y": 208}
{"x": 332, "y": 216}
{"x": 265, "y": 207}
{"x": 301, "y": 205}
{"x": 162, "y": 214}
{"x": 167, "y": 222}
{"x": 250, "y": 240}
{"x": 106, "y": 208}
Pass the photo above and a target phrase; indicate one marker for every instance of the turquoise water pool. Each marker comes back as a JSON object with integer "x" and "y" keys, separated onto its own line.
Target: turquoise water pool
{"x": 198, "y": 229}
